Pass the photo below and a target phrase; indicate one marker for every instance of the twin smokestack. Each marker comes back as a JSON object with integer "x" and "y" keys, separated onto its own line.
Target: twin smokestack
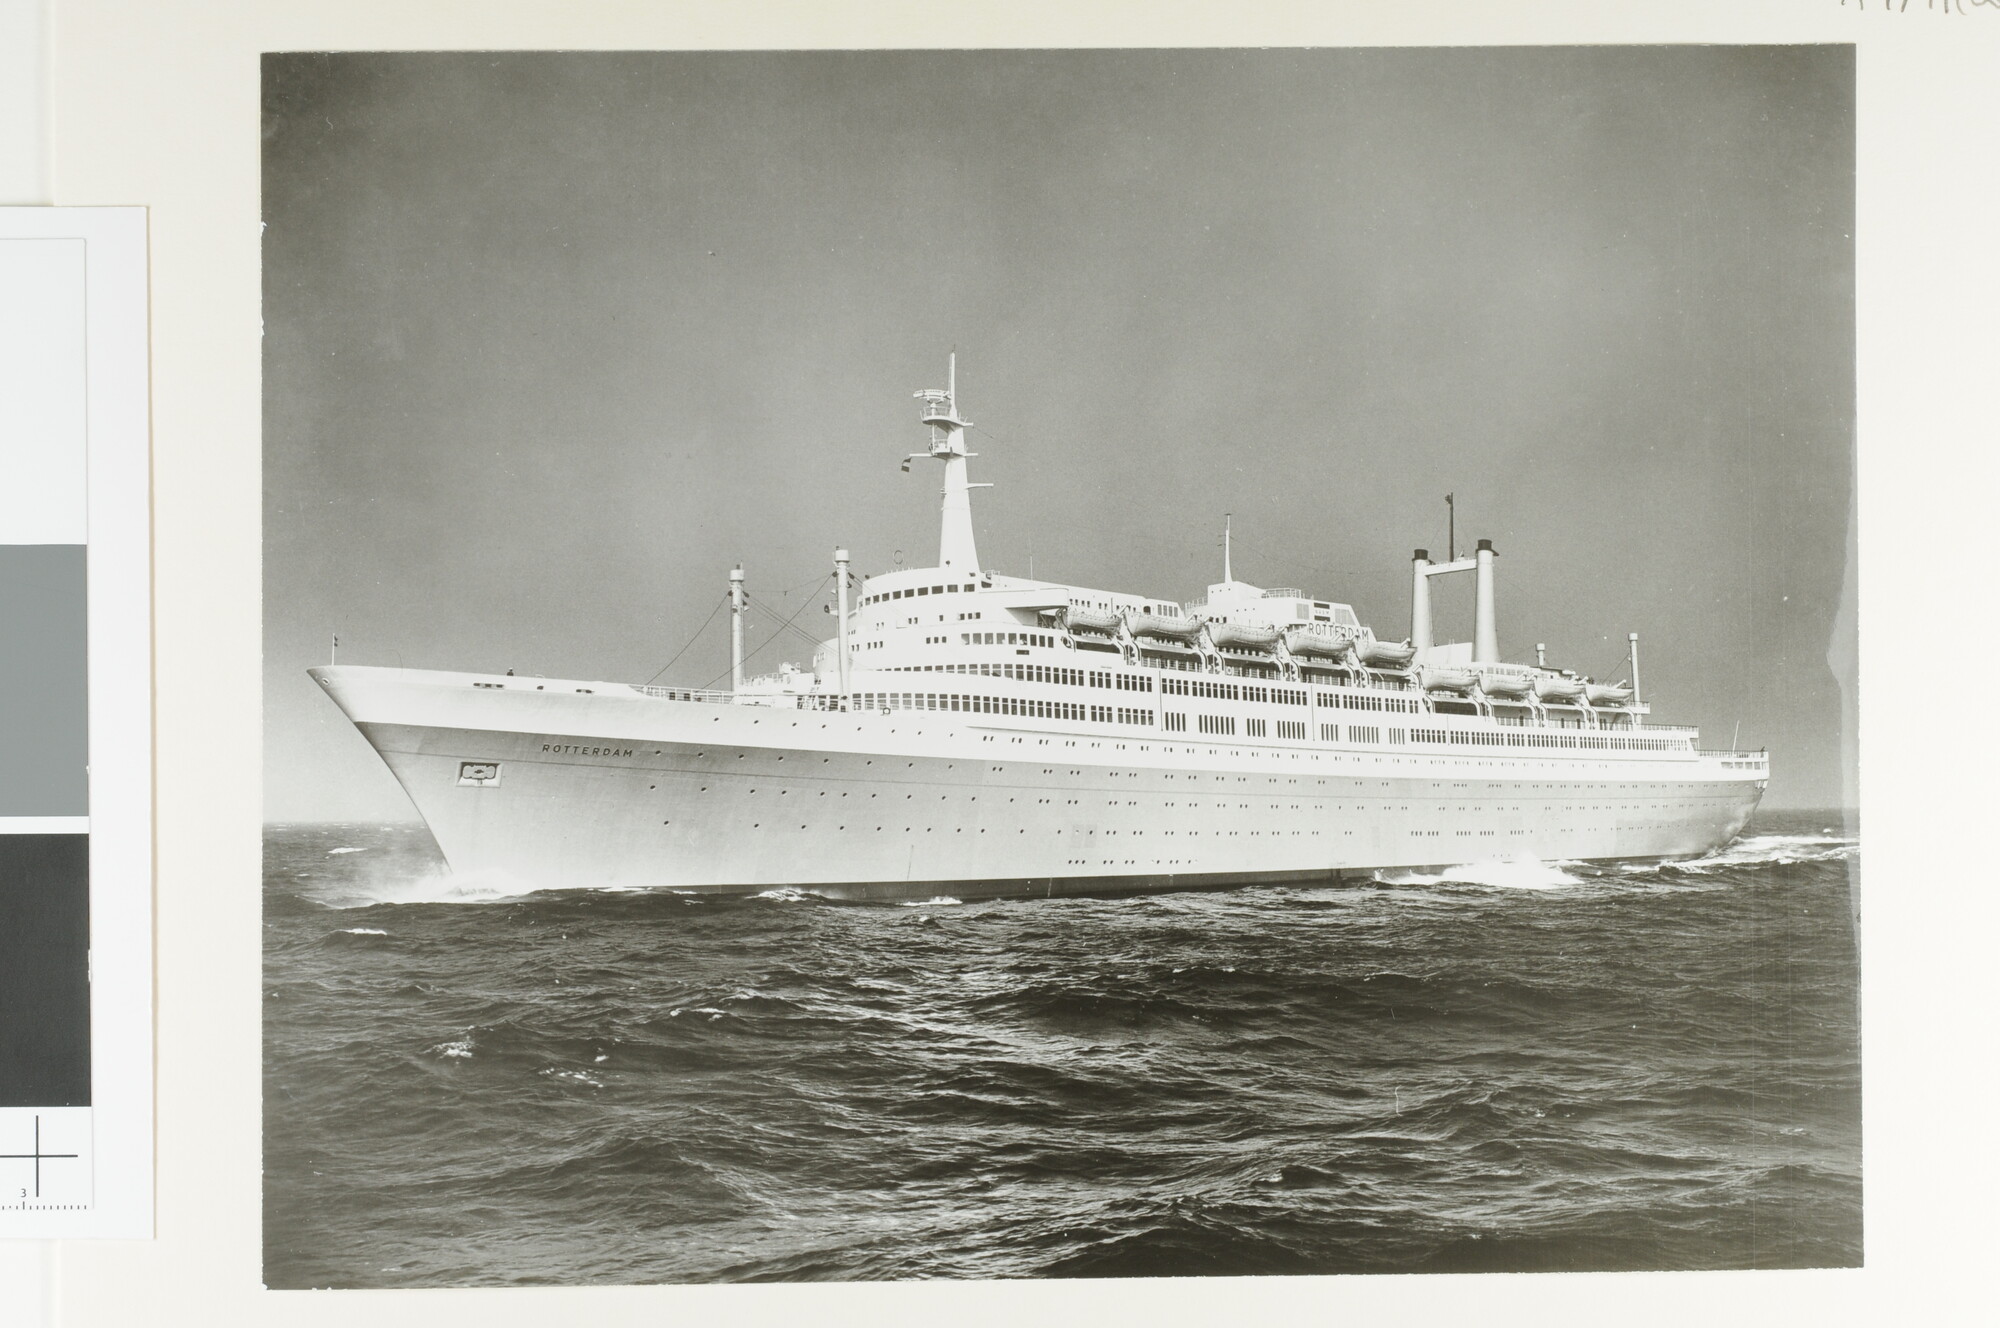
{"x": 1485, "y": 631}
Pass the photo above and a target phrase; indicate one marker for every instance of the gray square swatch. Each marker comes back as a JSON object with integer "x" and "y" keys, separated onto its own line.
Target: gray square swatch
{"x": 43, "y": 730}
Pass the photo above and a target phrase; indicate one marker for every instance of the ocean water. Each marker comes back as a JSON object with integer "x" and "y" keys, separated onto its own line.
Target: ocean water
{"x": 1504, "y": 1067}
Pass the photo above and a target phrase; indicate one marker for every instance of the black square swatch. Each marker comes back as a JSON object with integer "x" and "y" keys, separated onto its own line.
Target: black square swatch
{"x": 44, "y": 970}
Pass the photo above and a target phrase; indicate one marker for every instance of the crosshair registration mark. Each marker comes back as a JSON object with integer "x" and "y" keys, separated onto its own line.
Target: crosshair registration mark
{"x": 38, "y": 1155}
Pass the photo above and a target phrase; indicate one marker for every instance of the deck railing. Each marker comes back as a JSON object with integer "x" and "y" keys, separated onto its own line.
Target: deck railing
{"x": 703, "y": 694}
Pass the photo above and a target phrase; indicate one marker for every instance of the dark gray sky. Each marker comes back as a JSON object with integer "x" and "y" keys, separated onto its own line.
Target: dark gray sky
{"x": 552, "y": 340}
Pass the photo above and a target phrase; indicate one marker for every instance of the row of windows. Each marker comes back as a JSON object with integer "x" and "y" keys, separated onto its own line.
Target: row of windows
{"x": 1400, "y": 704}
{"x": 1049, "y": 673}
{"x": 1376, "y": 678}
{"x": 915, "y": 591}
{"x": 1018, "y": 672}
{"x": 1186, "y": 662}
{"x": 1232, "y": 691}
{"x": 1119, "y": 715}
{"x": 982, "y": 705}
{"x": 1565, "y": 741}
{"x": 1001, "y": 705}
{"x": 1222, "y": 724}
{"x": 1360, "y": 733}
{"x": 1229, "y": 691}
{"x": 1001, "y": 639}
{"x": 1554, "y": 717}
{"x": 1219, "y": 691}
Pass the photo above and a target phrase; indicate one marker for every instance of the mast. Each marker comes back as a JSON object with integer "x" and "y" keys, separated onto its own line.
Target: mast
{"x": 1638, "y": 697}
{"x": 940, "y": 412}
{"x": 840, "y": 577}
{"x": 736, "y": 628}
{"x": 1225, "y": 548}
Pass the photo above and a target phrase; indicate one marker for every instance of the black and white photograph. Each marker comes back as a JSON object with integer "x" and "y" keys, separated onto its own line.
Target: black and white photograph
{"x": 1056, "y": 663}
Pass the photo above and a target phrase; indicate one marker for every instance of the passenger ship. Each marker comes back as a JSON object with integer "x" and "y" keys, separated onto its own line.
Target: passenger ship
{"x": 968, "y": 734}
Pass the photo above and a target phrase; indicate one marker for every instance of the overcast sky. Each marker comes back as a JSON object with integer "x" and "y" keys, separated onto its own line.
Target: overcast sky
{"x": 552, "y": 340}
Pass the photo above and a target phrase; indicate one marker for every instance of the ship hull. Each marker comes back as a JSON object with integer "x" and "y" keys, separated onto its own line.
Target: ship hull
{"x": 590, "y": 786}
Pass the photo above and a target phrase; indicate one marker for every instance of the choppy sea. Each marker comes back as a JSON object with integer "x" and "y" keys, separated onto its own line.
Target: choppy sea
{"x": 1505, "y": 1066}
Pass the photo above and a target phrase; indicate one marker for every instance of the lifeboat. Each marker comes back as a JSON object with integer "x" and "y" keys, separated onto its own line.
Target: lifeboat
{"x": 1092, "y": 620}
{"x": 1449, "y": 680}
{"x": 1559, "y": 689}
{"x": 1386, "y": 654}
{"x": 1312, "y": 643}
{"x": 1242, "y": 636}
{"x": 1153, "y": 624}
{"x": 1607, "y": 693}
{"x": 1508, "y": 686}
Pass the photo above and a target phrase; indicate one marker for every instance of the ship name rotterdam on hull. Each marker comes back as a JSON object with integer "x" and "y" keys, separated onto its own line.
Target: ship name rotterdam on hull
{"x": 969, "y": 734}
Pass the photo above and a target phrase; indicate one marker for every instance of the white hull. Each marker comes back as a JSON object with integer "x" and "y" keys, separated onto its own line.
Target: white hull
{"x": 596, "y": 785}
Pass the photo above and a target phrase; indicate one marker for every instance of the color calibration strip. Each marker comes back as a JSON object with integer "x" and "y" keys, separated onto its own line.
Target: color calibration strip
{"x": 75, "y": 726}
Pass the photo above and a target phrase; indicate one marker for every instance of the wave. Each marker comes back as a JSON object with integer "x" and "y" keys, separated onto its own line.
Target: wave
{"x": 344, "y": 849}
{"x": 571, "y": 1076}
{"x": 1495, "y": 873}
{"x": 437, "y": 886}
{"x": 1772, "y": 851}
